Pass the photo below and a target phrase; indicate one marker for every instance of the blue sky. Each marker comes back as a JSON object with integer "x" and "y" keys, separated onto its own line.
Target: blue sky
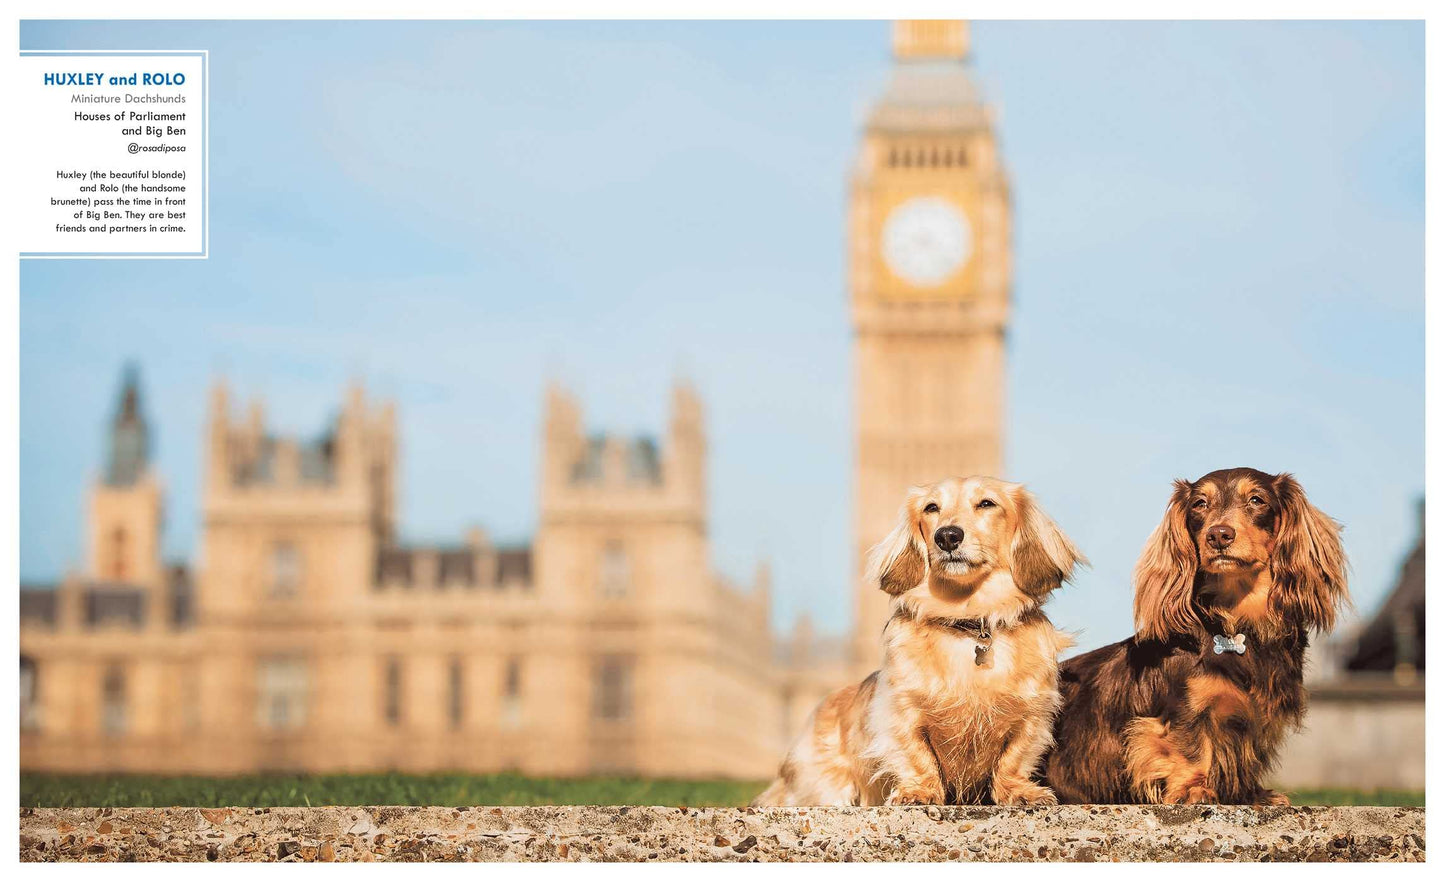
{"x": 1219, "y": 251}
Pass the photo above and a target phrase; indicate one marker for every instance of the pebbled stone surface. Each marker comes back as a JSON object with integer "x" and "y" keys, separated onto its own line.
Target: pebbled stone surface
{"x": 626, "y": 833}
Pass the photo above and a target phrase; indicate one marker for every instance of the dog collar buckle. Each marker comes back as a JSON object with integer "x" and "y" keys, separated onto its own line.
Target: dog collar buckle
{"x": 1224, "y": 644}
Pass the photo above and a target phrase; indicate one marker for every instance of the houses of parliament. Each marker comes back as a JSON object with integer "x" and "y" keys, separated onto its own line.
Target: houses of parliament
{"x": 307, "y": 638}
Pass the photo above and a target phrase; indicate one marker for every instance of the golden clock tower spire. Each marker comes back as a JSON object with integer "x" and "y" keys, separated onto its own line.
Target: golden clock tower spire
{"x": 930, "y": 39}
{"x": 929, "y": 277}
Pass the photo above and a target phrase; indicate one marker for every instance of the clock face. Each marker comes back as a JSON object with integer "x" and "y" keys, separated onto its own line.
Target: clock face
{"x": 926, "y": 240}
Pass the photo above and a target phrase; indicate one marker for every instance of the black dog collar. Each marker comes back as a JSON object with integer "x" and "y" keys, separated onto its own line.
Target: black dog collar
{"x": 978, "y": 628}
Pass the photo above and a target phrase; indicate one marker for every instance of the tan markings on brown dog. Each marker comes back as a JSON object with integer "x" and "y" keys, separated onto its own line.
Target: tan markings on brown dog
{"x": 1215, "y": 696}
{"x": 1159, "y": 766}
{"x": 961, "y": 709}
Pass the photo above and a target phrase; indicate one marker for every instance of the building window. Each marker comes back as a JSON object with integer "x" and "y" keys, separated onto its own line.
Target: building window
{"x": 612, "y": 688}
{"x": 512, "y": 693}
{"x": 391, "y": 692}
{"x": 113, "y": 716}
{"x": 455, "y": 682}
{"x": 282, "y": 687}
{"x": 117, "y": 554}
{"x": 614, "y": 571}
{"x": 285, "y": 570}
{"x": 29, "y": 696}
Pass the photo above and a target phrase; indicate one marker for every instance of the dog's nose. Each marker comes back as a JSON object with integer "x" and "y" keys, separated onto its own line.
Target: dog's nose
{"x": 1220, "y": 537}
{"x": 948, "y": 538}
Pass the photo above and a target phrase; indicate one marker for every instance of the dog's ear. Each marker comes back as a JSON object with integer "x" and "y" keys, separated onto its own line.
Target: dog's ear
{"x": 1164, "y": 575}
{"x": 900, "y": 562}
{"x": 1308, "y": 564}
{"x": 1042, "y": 557}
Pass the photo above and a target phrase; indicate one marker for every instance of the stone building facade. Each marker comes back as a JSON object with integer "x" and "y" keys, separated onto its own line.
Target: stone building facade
{"x": 313, "y": 641}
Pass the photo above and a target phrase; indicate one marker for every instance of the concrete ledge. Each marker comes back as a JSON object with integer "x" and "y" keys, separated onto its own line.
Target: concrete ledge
{"x": 589, "y": 833}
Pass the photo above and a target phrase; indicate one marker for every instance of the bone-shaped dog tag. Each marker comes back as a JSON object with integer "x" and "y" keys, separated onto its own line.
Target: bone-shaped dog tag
{"x": 1224, "y": 644}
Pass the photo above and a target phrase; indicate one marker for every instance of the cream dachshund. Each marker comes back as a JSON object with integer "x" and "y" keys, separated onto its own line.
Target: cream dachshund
{"x": 962, "y": 709}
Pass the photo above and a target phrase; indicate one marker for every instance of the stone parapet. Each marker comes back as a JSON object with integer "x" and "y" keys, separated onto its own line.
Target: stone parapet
{"x": 623, "y": 833}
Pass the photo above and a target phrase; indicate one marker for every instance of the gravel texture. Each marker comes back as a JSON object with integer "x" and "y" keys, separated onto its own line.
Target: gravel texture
{"x": 625, "y": 833}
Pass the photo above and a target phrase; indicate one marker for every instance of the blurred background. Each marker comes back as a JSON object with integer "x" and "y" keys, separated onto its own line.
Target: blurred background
{"x": 548, "y": 380}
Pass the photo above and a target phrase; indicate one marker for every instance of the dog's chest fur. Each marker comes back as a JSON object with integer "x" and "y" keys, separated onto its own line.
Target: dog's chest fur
{"x": 971, "y": 709}
{"x": 1248, "y": 702}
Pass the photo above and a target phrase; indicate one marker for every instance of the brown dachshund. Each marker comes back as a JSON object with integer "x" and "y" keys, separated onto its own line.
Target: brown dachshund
{"x": 1194, "y": 706}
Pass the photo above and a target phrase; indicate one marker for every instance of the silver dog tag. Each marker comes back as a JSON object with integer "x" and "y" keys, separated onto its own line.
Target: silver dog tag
{"x": 1228, "y": 644}
{"x": 983, "y": 644}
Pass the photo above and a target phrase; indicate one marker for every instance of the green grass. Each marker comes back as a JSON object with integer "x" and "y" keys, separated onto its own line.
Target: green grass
{"x": 264, "y": 791}
{"x": 456, "y": 790}
{"x": 1357, "y": 797}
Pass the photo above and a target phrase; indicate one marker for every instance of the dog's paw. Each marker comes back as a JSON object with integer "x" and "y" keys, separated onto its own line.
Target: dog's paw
{"x": 1027, "y": 793}
{"x": 1200, "y": 793}
{"x": 1192, "y": 790}
{"x": 914, "y": 796}
{"x": 1271, "y": 797}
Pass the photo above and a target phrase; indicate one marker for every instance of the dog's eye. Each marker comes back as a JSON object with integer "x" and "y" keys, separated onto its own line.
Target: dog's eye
{"x": 987, "y": 503}
{"x": 1256, "y": 500}
{"x": 1200, "y": 503}
{"x": 931, "y": 508}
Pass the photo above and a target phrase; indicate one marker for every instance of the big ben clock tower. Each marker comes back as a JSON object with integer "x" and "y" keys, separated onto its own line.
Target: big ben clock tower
{"x": 929, "y": 273}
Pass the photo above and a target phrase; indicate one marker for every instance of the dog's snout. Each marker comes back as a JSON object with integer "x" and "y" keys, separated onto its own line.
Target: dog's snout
{"x": 1220, "y": 537}
{"x": 948, "y": 538}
